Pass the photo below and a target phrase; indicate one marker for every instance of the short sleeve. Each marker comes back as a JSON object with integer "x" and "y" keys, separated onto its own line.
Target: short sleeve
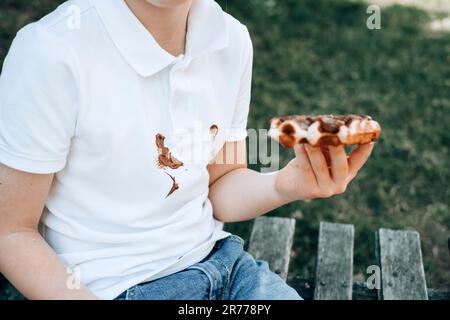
{"x": 38, "y": 102}
{"x": 238, "y": 130}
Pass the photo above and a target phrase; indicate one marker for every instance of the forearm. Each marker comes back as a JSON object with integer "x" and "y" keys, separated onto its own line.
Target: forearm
{"x": 35, "y": 270}
{"x": 244, "y": 194}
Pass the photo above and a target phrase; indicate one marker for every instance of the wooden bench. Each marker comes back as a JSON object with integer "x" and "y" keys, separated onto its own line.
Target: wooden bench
{"x": 398, "y": 253}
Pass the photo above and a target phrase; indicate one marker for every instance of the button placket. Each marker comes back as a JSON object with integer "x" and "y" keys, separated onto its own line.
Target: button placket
{"x": 170, "y": 99}
{"x": 182, "y": 108}
{"x": 174, "y": 81}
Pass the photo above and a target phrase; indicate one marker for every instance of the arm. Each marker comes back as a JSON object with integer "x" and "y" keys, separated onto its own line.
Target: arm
{"x": 231, "y": 180}
{"x": 25, "y": 258}
{"x": 306, "y": 177}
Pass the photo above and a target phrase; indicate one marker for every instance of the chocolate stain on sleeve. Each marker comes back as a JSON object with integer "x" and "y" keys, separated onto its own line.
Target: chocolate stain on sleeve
{"x": 214, "y": 130}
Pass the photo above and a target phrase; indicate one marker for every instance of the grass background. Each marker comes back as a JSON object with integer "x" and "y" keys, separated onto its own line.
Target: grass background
{"x": 317, "y": 56}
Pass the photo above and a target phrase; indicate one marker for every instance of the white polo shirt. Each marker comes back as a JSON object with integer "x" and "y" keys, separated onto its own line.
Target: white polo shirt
{"x": 88, "y": 94}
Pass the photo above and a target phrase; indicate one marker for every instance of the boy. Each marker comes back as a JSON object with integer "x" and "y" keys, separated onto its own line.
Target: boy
{"x": 99, "y": 105}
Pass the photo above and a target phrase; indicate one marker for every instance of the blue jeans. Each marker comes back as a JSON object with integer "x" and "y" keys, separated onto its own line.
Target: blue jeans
{"x": 227, "y": 273}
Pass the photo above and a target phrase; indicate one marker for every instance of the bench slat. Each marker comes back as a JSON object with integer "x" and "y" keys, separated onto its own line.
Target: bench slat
{"x": 400, "y": 258}
{"x": 334, "y": 270}
{"x": 305, "y": 287}
{"x": 271, "y": 240}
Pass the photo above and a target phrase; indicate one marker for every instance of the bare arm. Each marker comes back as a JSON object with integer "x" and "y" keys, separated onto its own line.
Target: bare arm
{"x": 236, "y": 192}
{"x": 239, "y": 194}
{"x": 26, "y": 260}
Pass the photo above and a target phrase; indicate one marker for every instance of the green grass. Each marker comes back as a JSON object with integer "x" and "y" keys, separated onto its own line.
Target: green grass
{"x": 317, "y": 56}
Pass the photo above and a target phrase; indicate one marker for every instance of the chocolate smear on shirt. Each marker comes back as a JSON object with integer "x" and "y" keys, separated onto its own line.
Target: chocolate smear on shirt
{"x": 165, "y": 158}
{"x": 214, "y": 130}
{"x": 175, "y": 185}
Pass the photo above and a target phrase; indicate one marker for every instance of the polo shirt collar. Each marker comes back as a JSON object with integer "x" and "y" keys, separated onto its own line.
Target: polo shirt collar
{"x": 207, "y": 32}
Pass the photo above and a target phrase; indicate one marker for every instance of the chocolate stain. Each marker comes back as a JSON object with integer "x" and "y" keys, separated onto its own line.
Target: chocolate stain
{"x": 214, "y": 130}
{"x": 175, "y": 185}
{"x": 165, "y": 158}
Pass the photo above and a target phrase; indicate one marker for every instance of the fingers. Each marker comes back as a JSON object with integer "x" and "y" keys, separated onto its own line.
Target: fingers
{"x": 326, "y": 153}
{"x": 304, "y": 163}
{"x": 328, "y": 172}
{"x": 339, "y": 167}
{"x": 358, "y": 157}
{"x": 299, "y": 150}
{"x": 320, "y": 167}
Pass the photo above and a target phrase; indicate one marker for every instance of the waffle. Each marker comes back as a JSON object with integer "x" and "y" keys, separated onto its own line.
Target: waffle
{"x": 321, "y": 130}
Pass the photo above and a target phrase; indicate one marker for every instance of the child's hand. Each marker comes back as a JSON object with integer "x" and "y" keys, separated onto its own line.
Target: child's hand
{"x": 309, "y": 176}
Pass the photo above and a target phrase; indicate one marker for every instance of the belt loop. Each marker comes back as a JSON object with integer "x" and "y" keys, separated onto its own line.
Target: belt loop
{"x": 214, "y": 276}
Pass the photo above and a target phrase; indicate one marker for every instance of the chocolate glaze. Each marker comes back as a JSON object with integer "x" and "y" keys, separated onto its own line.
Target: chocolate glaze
{"x": 328, "y": 123}
{"x": 288, "y": 129}
{"x": 165, "y": 158}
